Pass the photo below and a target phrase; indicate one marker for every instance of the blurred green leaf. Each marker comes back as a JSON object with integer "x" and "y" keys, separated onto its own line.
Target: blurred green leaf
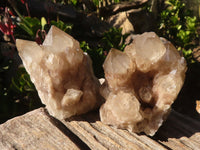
{"x": 74, "y": 2}
{"x": 43, "y": 22}
{"x": 30, "y": 25}
{"x": 27, "y": 29}
{"x": 21, "y": 82}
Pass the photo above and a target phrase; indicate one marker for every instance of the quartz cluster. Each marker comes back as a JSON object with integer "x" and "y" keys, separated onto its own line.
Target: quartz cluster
{"x": 141, "y": 83}
{"x": 62, "y": 74}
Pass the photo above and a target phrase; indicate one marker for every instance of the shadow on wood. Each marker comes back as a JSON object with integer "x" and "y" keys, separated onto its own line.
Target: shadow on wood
{"x": 177, "y": 126}
{"x": 73, "y": 137}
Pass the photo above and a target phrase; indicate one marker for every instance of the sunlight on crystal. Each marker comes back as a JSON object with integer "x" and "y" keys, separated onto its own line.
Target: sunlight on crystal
{"x": 62, "y": 74}
{"x": 141, "y": 84}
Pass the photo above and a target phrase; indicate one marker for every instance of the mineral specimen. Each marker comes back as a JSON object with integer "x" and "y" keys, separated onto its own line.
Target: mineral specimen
{"x": 62, "y": 74}
{"x": 141, "y": 84}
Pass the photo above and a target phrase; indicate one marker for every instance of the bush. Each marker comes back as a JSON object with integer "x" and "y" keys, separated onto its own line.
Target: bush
{"x": 177, "y": 24}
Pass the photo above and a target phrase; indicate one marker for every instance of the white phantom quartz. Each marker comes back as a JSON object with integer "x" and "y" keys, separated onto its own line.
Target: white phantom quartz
{"x": 141, "y": 83}
{"x": 62, "y": 74}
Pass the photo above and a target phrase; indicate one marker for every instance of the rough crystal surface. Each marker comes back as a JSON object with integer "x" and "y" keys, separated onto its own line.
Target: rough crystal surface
{"x": 62, "y": 74}
{"x": 141, "y": 83}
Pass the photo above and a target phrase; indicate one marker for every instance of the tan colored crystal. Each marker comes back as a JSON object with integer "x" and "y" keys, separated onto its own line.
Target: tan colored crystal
{"x": 62, "y": 74}
{"x": 141, "y": 84}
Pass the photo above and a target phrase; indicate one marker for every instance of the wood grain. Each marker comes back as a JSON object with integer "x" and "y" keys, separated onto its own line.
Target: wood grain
{"x": 37, "y": 130}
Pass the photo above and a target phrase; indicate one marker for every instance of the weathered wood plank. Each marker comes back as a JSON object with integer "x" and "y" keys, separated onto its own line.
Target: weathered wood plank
{"x": 33, "y": 130}
{"x": 37, "y": 130}
{"x": 84, "y": 135}
{"x": 133, "y": 139}
{"x": 179, "y": 131}
{"x": 173, "y": 143}
{"x": 112, "y": 133}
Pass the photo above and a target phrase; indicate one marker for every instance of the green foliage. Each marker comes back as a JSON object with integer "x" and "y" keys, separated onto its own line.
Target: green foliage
{"x": 25, "y": 90}
{"x": 17, "y": 93}
{"x": 23, "y": 93}
{"x": 114, "y": 39}
{"x": 97, "y": 55}
{"x": 74, "y": 2}
{"x": 188, "y": 55}
{"x": 177, "y": 25}
{"x": 66, "y": 27}
{"x": 96, "y": 2}
{"x": 30, "y": 26}
{"x": 65, "y": 2}
{"x": 21, "y": 83}
{"x": 188, "y": 33}
{"x": 111, "y": 39}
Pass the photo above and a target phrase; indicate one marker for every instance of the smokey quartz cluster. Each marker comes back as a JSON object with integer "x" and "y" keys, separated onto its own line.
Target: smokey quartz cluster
{"x": 62, "y": 74}
{"x": 141, "y": 83}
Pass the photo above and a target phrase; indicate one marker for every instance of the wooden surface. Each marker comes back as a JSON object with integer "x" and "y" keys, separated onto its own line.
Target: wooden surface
{"x": 37, "y": 130}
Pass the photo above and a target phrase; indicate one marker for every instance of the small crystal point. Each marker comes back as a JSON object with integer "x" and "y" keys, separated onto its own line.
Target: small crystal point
{"x": 118, "y": 65}
{"x": 58, "y": 40}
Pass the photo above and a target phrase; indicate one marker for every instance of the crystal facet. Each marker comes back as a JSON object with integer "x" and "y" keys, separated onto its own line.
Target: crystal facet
{"x": 141, "y": 83}
{"x": 62, "y": 74}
